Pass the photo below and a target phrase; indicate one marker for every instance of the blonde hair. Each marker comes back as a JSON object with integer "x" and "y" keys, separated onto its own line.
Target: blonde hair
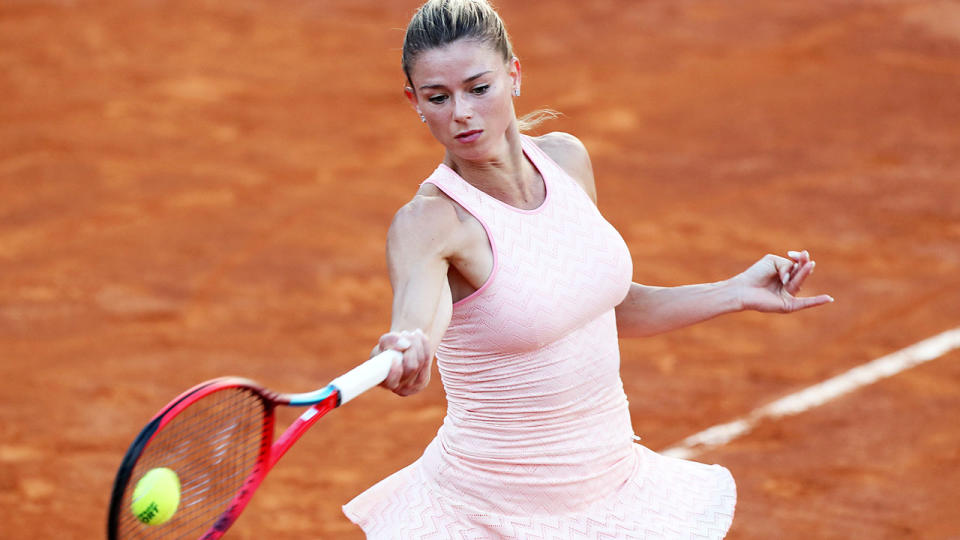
{"x": 440, "y": 22}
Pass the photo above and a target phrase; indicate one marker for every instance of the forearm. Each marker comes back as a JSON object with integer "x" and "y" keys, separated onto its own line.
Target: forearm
{"x": 424, "y": 305}
{"x": 653, "y": 310}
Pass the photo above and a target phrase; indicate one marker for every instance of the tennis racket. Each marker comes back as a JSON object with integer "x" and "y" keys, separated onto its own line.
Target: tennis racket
{"x": 218, "y": 438}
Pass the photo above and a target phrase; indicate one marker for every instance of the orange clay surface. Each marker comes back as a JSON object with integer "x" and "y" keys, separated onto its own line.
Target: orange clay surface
{"x": 191, "y": 189}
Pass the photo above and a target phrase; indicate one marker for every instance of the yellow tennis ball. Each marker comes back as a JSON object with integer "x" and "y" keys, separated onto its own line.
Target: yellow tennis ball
{"x": 156, "y": 496}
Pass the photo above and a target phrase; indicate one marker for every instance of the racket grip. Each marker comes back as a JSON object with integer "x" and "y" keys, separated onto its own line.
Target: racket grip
{"x": 365, "y": 376}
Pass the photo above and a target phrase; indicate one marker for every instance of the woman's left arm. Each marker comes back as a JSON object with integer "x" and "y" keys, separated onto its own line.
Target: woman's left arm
{"x": 770, "y": 285}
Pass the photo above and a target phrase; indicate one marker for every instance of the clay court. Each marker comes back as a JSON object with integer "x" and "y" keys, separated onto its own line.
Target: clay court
{"x": 194, "y": 189}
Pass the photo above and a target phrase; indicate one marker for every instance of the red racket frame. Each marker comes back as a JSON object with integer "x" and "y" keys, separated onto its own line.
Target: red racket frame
{"x": 320, "y": 401}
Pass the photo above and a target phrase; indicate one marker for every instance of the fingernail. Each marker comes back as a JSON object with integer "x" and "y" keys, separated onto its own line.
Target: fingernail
{"x": 403, "y": 343}
{"x": 793, "y": 253}
{"x": 831, "y": 298}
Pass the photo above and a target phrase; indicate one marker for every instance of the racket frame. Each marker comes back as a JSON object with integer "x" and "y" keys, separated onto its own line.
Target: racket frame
{"x": 320, "y": 402}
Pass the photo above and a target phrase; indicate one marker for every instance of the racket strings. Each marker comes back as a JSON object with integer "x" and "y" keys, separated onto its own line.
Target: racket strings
{"x": 213, "y": 446}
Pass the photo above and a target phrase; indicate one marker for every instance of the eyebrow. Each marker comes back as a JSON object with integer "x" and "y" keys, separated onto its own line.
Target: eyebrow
{"x": 468, "y": 79}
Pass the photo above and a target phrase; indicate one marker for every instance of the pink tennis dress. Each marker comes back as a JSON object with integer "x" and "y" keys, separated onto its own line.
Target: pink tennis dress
{"x": 537, "y": 441}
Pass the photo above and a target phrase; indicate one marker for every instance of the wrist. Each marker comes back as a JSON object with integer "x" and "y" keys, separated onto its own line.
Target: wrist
{"x": 732, "y": 295}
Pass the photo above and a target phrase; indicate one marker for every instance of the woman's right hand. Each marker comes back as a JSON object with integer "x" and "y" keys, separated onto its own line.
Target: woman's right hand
{"x": 412, "y": 374}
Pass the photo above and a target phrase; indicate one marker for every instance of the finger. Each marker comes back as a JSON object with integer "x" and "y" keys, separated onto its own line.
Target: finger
{"x": 418, "y": 383}
{"x": 796, "y": 281}
{"x": 799, "y": 259}
{"x": 783, "y": 268}
{"x": 423, "y": 377}
{"x": 414, "y": 381}
{"x": 410, "y": 365}
{"x": 393, "y": 377}
{"x": 414, "y": 356}
{"x": 426, "y": 361}
{"x": 810, "y": 301}
{"x": 394, "y": 341}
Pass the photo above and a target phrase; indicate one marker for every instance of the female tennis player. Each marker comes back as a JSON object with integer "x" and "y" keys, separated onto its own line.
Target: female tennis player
{"x": 503, "y": 268}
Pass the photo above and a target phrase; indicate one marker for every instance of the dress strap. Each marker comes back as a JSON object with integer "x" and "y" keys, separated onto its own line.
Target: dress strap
{"x": 458, "y": 189}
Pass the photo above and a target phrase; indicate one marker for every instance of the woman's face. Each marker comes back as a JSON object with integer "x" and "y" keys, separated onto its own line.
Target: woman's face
{"x": 464, "y": 90}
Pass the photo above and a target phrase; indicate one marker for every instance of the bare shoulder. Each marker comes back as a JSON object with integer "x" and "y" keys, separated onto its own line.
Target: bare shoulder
{"x": 560, "y": 141}
{"x": 427, "y": 225}
{"x": 572, "y": 156}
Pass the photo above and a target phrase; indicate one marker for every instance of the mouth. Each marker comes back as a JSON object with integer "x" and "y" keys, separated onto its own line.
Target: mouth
{"x": 469, "y": 136}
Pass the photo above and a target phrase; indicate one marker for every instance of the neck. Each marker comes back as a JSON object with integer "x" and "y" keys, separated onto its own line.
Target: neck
{"x": 505, "y": 174}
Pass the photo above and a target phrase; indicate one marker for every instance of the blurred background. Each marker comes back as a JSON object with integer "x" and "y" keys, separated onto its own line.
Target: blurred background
{"x": 190, "y": 189}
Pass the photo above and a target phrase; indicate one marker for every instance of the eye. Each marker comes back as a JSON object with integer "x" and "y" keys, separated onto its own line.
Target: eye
{"x": 439, "y": 98}
{"x": 482, "y": 89}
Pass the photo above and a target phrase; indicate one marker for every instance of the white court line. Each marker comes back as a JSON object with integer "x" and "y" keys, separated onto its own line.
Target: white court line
{"x": 818, "y": 394}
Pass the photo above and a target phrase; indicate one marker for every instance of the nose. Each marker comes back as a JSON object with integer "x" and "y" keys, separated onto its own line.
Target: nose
{"x": 462, "y": 110}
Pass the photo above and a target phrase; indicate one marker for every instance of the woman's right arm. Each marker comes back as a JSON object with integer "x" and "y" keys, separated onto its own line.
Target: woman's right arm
{"x": 421, "y": 240}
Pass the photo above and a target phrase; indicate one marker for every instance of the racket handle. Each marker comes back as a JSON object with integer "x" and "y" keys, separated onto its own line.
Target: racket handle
{"x": 365, "y": 376}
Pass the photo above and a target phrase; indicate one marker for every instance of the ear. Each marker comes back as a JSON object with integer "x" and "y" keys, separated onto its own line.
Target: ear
{"x": 411, "y": 96}
{"x": 515, "y": 72}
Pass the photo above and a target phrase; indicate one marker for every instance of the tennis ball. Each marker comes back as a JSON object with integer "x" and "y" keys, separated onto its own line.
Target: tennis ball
{"x": 156, "y": 496}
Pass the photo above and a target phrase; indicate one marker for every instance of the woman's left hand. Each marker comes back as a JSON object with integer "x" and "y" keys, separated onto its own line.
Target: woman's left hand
{"x": 771, "y": 283}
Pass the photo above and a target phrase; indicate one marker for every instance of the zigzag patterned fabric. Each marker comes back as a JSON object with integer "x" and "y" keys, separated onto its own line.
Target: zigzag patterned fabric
{"x": 537, "y": 441}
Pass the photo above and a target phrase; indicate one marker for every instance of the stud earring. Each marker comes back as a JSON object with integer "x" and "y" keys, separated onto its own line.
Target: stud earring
{"x": 422, "y": 117}
{"x": 516, "y": 92}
